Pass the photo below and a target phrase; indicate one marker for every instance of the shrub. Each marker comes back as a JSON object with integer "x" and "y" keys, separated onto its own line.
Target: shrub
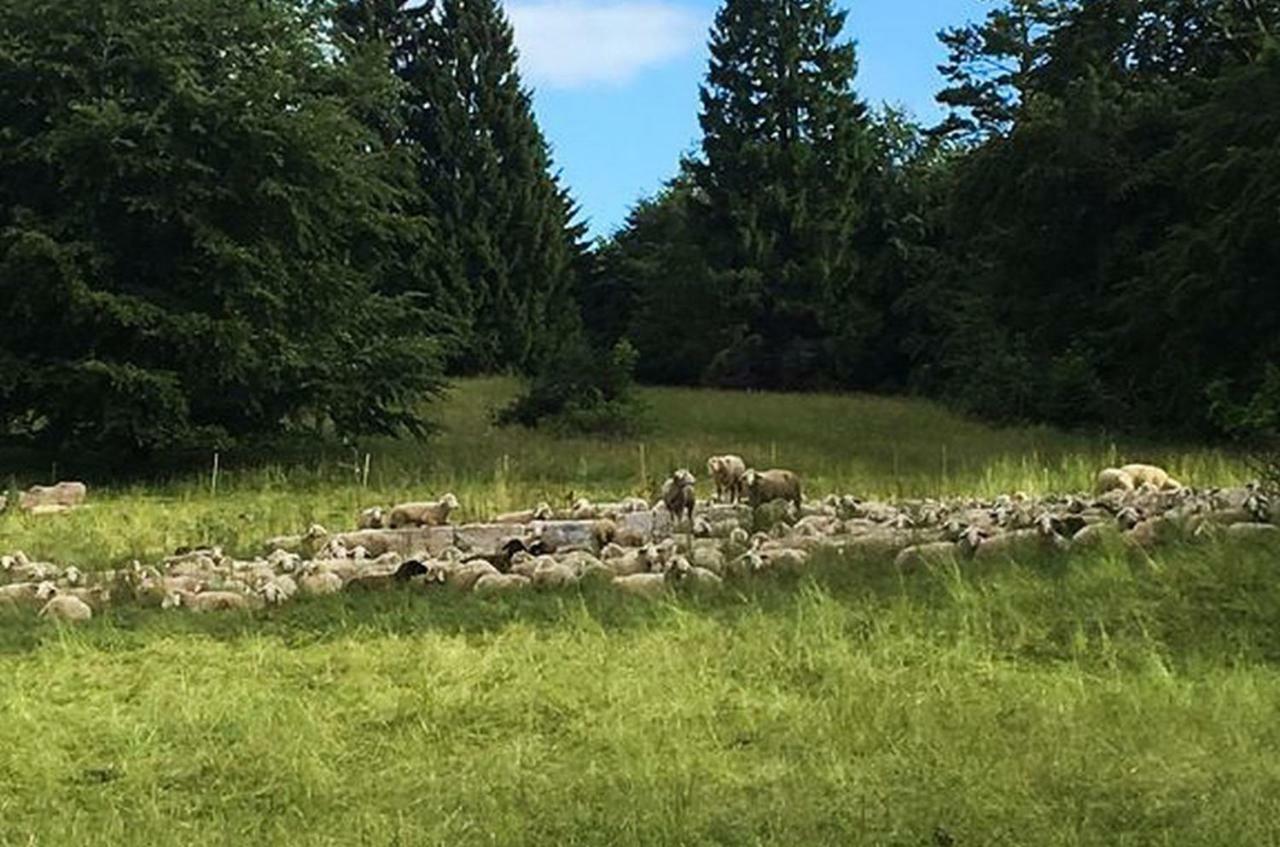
{"x": 581, "y": 391}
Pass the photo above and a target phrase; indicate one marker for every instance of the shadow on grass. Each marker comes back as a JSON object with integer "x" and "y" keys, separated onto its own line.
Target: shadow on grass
{"x": 1109, "y": 609}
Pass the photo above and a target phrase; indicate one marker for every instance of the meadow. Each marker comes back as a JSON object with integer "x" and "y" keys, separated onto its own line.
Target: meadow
{"x": 1113, "y": 698}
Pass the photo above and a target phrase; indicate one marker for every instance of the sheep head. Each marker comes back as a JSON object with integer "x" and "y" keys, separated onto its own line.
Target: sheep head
{"x": 46, "y": 591}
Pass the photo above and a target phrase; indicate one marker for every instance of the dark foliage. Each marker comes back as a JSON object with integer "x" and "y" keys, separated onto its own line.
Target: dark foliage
{"x": 192, "y": 220}
{"x": 580, "y": 390}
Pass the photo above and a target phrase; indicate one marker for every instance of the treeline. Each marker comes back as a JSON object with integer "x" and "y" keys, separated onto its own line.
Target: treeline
{"x": 1092, "y": 237}
{"x": 222, "y": 219}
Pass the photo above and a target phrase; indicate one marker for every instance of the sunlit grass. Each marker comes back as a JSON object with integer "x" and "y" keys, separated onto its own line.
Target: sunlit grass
{"x": 1113, "y": 698}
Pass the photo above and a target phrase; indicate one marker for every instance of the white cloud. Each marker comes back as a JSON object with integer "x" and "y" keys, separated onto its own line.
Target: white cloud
{"x": 575, "y": 43}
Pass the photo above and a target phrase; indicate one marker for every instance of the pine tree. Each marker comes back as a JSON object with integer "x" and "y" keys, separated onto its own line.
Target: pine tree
{"x": 784, "y": 153}
{"x": 507, "y": 245}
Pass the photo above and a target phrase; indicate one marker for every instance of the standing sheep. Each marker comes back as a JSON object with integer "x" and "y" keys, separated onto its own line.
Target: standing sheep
{"x": 727, "y": 473}
{"x": 678, "y": 495}
{"x": 766, "y": 486}
{"x": 423, "y": 514}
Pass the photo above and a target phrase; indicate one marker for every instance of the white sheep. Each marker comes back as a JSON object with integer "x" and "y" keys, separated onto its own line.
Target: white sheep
{"x": 648, "y": 585}
{"x": 500, "y": 583}
{"x": 319, "y": 583}
{"x": 434, "y": 513}
{"x": 68, "y": 608}
{"x": 1151, "y": 475}
{"x": 372, "y": 518}
{"x": 211, "y": 601}
{"x": 727, "y": 473}
{"x": 1114, "y": 479}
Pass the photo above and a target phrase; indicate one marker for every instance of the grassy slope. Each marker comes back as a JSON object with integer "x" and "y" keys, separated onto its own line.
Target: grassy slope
{"x": 1104, "y": 700}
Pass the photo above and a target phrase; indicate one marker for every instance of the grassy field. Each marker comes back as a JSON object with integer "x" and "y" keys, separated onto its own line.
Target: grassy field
{"x": 1114, "y": 699}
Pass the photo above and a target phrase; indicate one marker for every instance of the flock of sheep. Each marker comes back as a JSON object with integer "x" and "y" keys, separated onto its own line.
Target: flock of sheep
{"x": 758, "y": 521}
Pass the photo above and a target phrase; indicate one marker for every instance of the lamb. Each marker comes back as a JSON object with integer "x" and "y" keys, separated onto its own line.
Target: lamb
{"x": 68, "y": 608}
{"x": 678, "y": 495}
{"x": 766, "y": 486}
{"x": 465, "y": 576}
{"x": 727, "y": 473}
{"x": 1151, "y": 475}
{"x": 423, "y": 514}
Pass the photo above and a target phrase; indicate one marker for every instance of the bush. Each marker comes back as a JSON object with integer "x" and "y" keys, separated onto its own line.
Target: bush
{"x": 581, "y": 391}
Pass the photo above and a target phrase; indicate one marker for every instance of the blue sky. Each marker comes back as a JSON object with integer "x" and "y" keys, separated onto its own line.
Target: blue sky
{"x": 616, "y": 81}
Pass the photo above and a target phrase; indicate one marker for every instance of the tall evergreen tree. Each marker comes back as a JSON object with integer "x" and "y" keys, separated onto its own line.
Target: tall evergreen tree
{"x": 778, "y": 186}
{"x": 508, "y": 247}
{"x": 191, "y": 222}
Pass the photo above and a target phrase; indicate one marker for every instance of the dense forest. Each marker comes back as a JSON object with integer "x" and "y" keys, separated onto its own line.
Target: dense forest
{"x": 222, "y": 219}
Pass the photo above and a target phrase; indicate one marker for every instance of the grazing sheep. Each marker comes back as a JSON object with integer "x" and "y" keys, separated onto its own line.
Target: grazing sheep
{"x": 1151, "y": 475}
{"x": 679, "y": 496}
{"x": 500, "y": 583}
{"x": 727, "y": 473}
{"x": 372, "y": 518}
{"x": 766, "y": 486}
{"x": 423, "y": 514}
{"x": 68, "y": 608}
{"x": 1114, "y": 479}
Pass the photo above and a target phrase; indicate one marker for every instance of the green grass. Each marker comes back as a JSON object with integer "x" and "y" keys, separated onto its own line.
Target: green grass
{"x": 1109, "y": 699}
{"x": 871, "y": 446}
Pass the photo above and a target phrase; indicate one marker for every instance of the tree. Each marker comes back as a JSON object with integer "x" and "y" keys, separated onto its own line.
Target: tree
{"x": 191, "y": 222}
{"x": 778, "y": 189}
{"x": 509, "y": 248}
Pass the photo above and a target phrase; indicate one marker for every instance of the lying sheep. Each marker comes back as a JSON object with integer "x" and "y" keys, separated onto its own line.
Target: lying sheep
{"x": 1114, "y": 479}
{"x": 766, "y": 486}
{"x": 19, "y": 594}
{"x": 372, "y": 518}
{"x": 648, "y": 585}
{"x": 319, "y": 583}
{"x": 679, "y": 496}
{"x": 1151, "y": 475}
{"x": 423, "y": 514}
{"x": 542, "y": 512}
{"x": 211, "y": 601}
{"x": 67, "y": 607}
{"x": 64, "y": 495}
{"x": 500, "y": 583}
{"x": 727, "y": 473}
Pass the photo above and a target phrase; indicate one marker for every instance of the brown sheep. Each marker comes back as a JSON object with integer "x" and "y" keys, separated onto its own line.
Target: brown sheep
{"x": 766, "y": 486}
{"x": 678, "y": 495}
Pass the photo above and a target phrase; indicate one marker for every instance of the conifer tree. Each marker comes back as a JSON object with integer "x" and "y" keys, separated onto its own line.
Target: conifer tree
{"x": 784, "y": 153}
{"x": 507, "y": 244}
